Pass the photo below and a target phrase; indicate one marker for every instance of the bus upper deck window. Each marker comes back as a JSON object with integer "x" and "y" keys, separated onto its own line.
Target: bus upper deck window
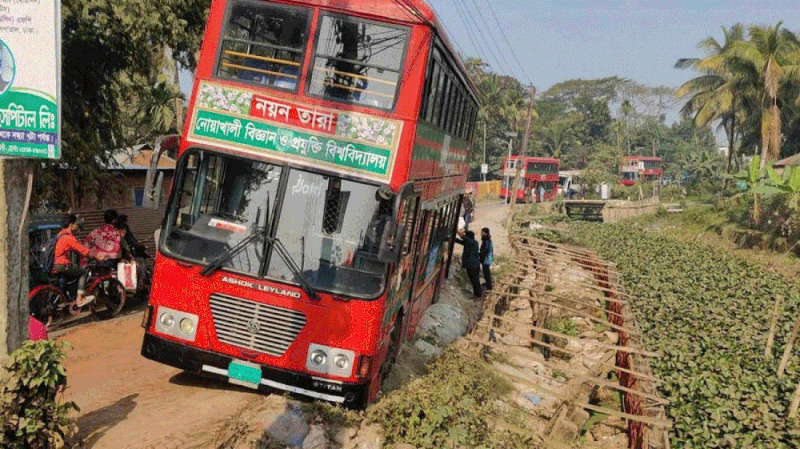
{"x": 263, "y": 44}
{"x": 358, "y": 61}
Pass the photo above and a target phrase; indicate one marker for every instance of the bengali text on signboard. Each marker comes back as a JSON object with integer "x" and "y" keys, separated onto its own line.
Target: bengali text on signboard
{"x": 30, "y": 72}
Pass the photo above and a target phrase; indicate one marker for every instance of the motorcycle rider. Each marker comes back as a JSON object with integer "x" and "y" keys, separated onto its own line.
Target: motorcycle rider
{"x": 106, "y": 239}
{"x": 132, "y": 249}
{"x": 63, "y": 263}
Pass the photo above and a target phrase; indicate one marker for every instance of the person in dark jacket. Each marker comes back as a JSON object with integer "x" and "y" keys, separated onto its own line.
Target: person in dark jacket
{"x": 470, "y": 260}
{"x": 487, "y": 256}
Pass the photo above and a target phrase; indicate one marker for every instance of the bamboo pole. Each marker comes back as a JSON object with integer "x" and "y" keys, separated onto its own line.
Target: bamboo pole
{"x": 525, "y": 352}
{"x": 525, "y": 264}
{"x": 795, "y": 402}
{"x": 771, "y": 337}
{"x": 586, "y": 315}
{"x": 787, "y": 352}
{"x": 628, "y": 349}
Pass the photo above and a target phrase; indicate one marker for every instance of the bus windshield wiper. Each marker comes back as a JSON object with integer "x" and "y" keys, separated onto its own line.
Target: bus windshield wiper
{"x": 220, "y": 260}
{"x": 287, "y": 258}
{"x": 292, "y": 265}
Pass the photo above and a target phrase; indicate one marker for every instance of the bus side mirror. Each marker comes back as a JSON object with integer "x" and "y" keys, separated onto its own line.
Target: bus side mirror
{"x": 391, "y": 242}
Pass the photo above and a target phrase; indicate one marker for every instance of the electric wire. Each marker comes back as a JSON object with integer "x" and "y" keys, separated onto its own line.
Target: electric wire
{"x": 505, "y": 38}
{"x": 494, "y": 41}
{"x": 475, "y": 42}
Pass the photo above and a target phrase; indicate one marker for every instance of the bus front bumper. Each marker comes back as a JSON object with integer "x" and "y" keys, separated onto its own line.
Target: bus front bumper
{"x": 215, "y": 365}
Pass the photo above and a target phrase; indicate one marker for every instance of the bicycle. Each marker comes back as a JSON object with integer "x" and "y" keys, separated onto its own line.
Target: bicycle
{"x": 51, "y": 302}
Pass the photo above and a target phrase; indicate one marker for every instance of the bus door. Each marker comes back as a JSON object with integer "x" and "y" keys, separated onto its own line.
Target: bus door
{"x": 400, "y": 291}
{"x": 422, "y": 237}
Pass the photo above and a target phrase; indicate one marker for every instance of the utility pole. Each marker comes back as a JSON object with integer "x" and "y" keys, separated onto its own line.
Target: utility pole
{"x": 484, "y": 151}
{"x": 13, "y": 241}
{"x": 523, "y": 152}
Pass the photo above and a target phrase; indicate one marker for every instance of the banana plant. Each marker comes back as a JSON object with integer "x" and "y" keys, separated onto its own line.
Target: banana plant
{"x": 754, "y": 177}
{"x": 788, "y": 183}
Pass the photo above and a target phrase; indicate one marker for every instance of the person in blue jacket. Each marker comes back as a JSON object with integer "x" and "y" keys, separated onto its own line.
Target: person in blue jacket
{"x": 486, "y": 255}
{"x": 470, "y": 260}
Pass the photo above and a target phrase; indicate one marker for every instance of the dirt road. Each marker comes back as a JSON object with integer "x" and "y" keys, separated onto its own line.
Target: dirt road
{"x": 128, "y": 401}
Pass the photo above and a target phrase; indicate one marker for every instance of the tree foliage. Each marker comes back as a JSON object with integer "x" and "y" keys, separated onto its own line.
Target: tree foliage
{"x": 748, "y": 83}
{"x": 117, "y": 86}
{"x": 579, "y": 121}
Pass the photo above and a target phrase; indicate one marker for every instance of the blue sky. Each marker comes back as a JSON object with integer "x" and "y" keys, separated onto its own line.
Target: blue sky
{"x": 557, "y": 40}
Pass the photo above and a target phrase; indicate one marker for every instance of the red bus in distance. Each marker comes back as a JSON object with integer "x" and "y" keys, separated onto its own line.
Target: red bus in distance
{"x": 313, "y": 209}
{"x": 639, "y": 168}
{"x": 538, "y": 172}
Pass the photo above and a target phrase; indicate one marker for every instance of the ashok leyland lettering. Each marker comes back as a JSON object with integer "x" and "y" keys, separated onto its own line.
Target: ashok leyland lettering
{"x": 312, "y": 214}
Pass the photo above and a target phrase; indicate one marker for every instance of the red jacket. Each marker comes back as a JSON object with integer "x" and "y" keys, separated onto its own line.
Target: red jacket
{"x": 106, "y": 240}
{"x": 66, "y": 243}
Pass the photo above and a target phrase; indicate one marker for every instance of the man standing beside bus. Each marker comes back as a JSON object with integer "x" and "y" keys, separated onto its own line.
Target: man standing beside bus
{"x": 471, "y": 261}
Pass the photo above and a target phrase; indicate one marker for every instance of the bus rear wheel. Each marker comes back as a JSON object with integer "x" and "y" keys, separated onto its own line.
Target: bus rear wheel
{"x": 394, "y": 348}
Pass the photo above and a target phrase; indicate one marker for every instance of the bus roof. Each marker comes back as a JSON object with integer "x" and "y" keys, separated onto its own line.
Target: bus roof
{"x": 641, "y": 158}
{"x": 537, "y": 159}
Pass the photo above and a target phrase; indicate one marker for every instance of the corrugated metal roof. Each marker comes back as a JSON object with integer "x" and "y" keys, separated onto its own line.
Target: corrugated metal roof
{"x": 791, "y": 160}
{"x": 138, "y": 157}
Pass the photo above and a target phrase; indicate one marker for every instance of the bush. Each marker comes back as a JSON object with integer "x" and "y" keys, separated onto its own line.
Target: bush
{"x": 30, "y": 415}
{"x": 452, "y": 406}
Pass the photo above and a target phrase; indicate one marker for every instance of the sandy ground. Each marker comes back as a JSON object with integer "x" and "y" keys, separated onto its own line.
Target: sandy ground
{"x": 128, "y": 401}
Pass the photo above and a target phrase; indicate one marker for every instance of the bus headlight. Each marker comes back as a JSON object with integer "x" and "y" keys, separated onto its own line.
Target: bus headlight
{"x": 341, "y": 362}
{"x": 318, "y": 357}
{"x": 328, "y": 360}
{"x": 167, "y": 320}
{"x": 186, "y": 328}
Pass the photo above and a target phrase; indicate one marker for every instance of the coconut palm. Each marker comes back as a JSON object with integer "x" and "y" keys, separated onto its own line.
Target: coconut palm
{"x": 773, "y": 53}
{"x": 718, "y": 93}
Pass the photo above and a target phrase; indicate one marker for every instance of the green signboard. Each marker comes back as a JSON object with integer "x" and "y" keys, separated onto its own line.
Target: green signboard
{"x": 311, "y": 147}
{"x": 30, "y": 76}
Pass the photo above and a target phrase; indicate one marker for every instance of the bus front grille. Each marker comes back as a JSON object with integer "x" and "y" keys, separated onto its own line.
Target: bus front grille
{"x": 253, "y": 325}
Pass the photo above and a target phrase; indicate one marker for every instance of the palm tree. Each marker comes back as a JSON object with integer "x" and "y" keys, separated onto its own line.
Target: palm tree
{"x": 558, "y": 135}
{"x": 717, "y": 93}
{"x": 773, "y": 53}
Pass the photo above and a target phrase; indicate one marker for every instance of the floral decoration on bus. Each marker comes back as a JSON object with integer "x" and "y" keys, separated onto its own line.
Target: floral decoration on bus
{"x": 222, "y": 99}
{"x": 362, "y": 127}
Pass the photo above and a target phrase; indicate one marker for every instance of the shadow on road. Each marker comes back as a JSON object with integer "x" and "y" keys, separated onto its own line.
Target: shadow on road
{"x": 187, "y": 379}
{"x": 92, "y": 426}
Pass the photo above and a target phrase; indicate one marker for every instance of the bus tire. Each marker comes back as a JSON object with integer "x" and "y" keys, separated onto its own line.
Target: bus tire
{"x": 394, "y": 347}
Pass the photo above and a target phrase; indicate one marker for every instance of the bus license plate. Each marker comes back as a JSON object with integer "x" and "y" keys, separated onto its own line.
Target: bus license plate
{"x": 244, "y": 374}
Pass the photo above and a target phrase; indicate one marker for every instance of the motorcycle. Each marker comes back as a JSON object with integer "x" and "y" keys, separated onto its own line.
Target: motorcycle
{"x": 53, "y": 301}
{"x": 143, "y": 273}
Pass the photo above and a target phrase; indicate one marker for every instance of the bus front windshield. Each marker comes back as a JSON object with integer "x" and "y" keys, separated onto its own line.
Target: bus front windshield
{"x": 330, "y": 227}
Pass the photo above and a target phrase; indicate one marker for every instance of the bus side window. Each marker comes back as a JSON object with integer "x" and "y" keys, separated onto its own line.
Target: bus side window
{"x": 410, "y": 221}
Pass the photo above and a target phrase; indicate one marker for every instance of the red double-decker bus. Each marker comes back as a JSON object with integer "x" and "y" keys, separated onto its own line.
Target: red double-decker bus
{"x": 538, "y": 173}
{"x": 312, "y": 213}
{"x": 639, "y": 168}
